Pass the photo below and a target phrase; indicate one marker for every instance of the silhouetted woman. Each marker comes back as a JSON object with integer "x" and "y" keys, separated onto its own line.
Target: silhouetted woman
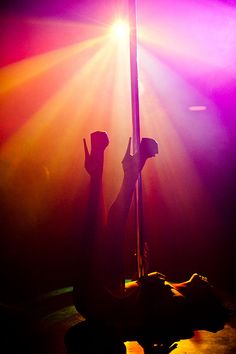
{"x": 150, "y": 310}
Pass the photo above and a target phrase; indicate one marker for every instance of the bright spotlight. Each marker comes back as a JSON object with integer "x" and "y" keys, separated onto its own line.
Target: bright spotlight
{"x": 120, "y": 29}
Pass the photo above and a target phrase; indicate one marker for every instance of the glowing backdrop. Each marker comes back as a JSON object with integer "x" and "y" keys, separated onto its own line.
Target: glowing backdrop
{"x": 62, "y": 78}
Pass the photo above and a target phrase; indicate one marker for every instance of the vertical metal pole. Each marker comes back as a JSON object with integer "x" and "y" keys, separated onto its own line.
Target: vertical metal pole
{"x": 136, "y": 134}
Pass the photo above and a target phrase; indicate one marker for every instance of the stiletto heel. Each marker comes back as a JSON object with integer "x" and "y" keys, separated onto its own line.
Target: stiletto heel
{"x": 94, "y": 160}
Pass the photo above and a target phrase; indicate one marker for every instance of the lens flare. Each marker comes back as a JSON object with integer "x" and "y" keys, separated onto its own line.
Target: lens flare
{"x": 120, "y": 29}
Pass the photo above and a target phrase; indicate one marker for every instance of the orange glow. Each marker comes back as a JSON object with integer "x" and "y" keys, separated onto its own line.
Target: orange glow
{"x": 18, "y": 73}
{"x": 133, "y": 347}
{"x": 53, "y": 100}
{"x": 50, "y": 101}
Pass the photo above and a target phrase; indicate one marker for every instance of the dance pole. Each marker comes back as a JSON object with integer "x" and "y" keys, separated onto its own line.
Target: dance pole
{"x": 138, "y": 203}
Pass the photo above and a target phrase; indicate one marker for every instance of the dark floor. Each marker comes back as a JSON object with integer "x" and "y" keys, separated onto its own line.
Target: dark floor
{"x": 39, "y": 328}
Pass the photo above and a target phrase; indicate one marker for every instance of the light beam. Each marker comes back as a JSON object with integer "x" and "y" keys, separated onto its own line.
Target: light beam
{"x": 120, "y": 29}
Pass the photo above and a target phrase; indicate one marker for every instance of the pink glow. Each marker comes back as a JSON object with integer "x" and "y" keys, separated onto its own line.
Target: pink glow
{"x": 198, "y": 36}
{"x": 197, "y": 108}
{"x": 62, "y": 79}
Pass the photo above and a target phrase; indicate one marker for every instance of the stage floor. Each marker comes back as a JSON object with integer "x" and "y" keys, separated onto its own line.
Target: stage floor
{"x": 41, "y": 330}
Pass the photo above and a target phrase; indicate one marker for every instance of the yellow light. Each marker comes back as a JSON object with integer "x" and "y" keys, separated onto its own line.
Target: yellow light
{"x": 120, "y": 29}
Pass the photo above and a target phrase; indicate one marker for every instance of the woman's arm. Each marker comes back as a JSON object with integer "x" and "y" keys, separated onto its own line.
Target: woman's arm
{"x": 118, "y": 214}
{"x": 94, "y": 223}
